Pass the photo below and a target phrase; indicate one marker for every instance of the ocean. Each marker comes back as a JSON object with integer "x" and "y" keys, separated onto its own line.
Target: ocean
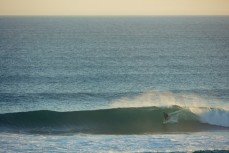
{"x": 103, "y": 83}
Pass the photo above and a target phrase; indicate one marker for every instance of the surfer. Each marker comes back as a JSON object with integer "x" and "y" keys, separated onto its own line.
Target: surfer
{"x": 166, "y": 116}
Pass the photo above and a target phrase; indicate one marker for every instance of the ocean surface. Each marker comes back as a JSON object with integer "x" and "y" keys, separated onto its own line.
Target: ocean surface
{"x": 101, "y": 84}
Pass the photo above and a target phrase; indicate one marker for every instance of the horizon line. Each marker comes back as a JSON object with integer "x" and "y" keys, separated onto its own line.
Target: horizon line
{"x": 115, "y": 15}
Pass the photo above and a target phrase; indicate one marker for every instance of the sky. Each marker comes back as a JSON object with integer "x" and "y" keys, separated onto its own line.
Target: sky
{"x": 114, "y": 7}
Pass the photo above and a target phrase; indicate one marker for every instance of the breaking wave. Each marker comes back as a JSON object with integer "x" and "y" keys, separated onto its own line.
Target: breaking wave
{"x": 140, "y": 120}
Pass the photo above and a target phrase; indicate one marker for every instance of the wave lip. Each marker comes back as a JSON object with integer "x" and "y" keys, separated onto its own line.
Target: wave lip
{"x": 110, "y": 121}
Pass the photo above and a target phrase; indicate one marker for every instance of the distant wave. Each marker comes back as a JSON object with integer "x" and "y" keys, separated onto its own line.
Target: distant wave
{"x": 139, "y": 120}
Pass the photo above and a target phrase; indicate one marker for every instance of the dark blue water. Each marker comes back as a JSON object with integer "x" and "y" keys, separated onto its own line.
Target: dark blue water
{"x": 92, "y": 63}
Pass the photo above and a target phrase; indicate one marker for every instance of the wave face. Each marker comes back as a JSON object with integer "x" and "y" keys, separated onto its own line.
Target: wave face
{"x": 113, "y": 121}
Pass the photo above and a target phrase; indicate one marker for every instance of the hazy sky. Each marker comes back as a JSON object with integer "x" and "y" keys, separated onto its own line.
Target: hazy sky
{"x": 114, "y": 7}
